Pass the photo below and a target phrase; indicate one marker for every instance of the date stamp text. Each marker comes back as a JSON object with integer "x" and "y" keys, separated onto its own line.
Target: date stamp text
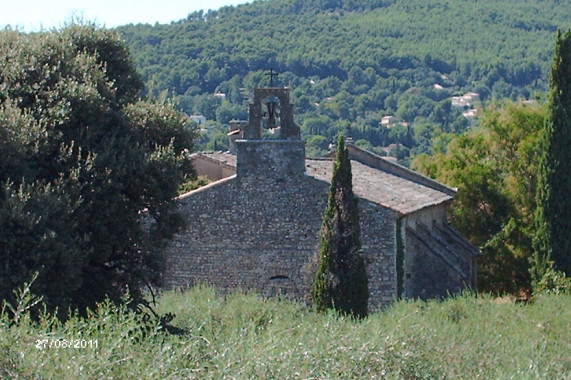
{"x": 46, "y": 343}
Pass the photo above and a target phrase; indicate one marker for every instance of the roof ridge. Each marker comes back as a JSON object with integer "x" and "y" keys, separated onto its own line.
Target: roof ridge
{"x": 371, "y": 159}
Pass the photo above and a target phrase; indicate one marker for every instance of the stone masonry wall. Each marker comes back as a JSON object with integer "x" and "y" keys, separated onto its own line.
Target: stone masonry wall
{"x": 259, "y": 232}
{"x": 438, "y": 262}
{"x": 431, "y": 277}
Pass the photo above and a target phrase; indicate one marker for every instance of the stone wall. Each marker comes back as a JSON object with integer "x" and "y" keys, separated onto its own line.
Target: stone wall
{"x": 273, "y": 158}
{"x": 438, "y": 261}
{"x": 428, "y": 276}
{"x": 259, "y": 232}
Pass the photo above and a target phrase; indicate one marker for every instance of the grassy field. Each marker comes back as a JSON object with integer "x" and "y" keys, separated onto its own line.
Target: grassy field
{"x": 244, "y": 336}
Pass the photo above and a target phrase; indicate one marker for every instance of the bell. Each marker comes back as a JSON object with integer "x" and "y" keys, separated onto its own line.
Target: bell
{"x": 271, "y": 103}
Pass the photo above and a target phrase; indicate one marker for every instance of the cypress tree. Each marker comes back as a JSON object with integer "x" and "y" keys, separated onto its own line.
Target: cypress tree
{"x": 552, "y": 242}
{"x": 341, "y": 280}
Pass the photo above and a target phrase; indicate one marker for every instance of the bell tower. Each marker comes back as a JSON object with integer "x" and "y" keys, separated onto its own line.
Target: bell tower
{"x": 271, "y": 109}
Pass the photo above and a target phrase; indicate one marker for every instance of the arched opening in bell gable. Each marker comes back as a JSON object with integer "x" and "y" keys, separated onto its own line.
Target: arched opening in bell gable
{"x": 271, "y": 120}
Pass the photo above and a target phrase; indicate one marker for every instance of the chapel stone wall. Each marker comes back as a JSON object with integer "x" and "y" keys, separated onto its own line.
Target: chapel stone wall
{"x": 260, "y": 232}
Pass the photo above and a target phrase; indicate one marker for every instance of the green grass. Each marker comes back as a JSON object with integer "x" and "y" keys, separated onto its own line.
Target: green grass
{"x": 244, "y": 336}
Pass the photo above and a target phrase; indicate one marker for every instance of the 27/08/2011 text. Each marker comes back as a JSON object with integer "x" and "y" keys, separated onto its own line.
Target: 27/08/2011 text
{"x": 66, "y": 343}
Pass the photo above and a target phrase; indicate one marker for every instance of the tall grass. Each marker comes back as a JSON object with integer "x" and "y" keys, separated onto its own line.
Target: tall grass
{"x": 245, "y": 336}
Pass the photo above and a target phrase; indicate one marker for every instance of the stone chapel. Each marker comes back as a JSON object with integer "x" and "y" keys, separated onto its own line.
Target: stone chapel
{"x": 256, "y": 226}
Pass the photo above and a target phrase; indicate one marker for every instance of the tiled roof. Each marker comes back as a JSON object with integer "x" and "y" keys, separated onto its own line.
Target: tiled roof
{"x": 389, "y": 190}
{"x": 387, "y": 184}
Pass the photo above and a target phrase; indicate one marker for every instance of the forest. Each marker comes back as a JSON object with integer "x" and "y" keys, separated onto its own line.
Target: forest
{"x": 350, "y": 63}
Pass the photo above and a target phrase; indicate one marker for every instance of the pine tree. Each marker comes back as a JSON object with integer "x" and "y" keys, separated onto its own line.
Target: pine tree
{"x": 341, "y": 280}
{"x": 552, "y": 241}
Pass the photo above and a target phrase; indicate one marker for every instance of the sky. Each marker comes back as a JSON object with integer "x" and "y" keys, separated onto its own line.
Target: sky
{"x": 34, "y": 15}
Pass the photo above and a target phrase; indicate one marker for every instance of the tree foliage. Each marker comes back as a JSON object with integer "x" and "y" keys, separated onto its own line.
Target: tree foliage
{"x": 495, "y": 168}
{"x": 341, "y": 280}
{"x": 84, "y": 163}
{"x": 353, "y": 61}
{"x": 552, "y": 240}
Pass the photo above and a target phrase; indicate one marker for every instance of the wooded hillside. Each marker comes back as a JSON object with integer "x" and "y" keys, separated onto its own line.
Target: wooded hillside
{"x": 350, "y": 63}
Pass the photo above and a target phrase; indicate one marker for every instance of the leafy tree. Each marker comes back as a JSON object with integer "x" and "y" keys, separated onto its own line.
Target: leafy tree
{"x": 84, "y": 163}
{"x": 400, "y": 152}
{"x": 363, "y": 144}
{"x": 552, "y": 241}
{"x": 341, "y": 280}
{"x": 316, "y": 146}
{"x": 443, "y": 113}
{"x": 316, "y": 126}
{"x": 495, "y": 170}
{"x": 228, "y": 111}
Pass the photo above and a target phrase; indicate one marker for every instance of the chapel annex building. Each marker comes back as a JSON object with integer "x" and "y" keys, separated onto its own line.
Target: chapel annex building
{"x": 256, "y": 227}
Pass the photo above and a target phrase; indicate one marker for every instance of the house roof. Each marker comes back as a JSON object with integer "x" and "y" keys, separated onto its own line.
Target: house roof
{"x": 387, "y": 189}
{"x": 374, "y": 178}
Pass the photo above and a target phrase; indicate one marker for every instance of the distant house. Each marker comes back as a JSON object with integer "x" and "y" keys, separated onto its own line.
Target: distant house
{"x": 388, "y": 121}
{"x": 466, "y": 100}
{"x": 470, "y": 114}
{"x": 471, "y": 97}
{"x": 220, "y": 95}
{"x": 458, "y": 101}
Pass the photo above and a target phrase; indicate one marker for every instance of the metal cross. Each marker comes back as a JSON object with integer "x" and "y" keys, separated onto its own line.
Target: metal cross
{"x": 272, "y": 74}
